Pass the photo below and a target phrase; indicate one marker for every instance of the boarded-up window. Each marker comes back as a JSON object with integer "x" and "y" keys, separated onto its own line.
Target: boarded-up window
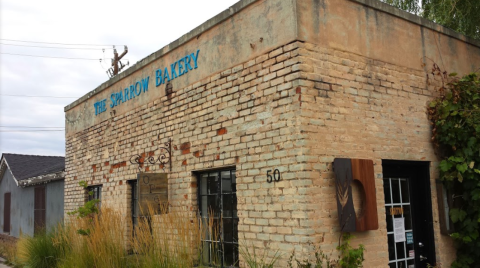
{"x": 153, "y": 192}
{"x": 39, "y": 210}
{"x": 6, "y": 212}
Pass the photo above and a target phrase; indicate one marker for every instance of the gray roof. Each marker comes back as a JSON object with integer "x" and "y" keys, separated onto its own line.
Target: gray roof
{"x": 27, "y": 166}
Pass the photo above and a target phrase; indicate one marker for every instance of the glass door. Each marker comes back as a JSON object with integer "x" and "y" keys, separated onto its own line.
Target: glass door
{"x": 408, "y": 214}
{"x": 401, "y": 252}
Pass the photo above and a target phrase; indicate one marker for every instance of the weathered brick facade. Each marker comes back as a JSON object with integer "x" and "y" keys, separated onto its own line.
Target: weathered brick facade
{"x": 295, "y": 105}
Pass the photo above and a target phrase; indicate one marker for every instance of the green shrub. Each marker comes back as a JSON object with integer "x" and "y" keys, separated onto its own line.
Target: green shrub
{"x": 350, "y": 257}
{"x": 38, "y": 251}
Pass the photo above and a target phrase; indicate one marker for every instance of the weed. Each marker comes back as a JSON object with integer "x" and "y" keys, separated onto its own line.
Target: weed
{"x": 7, "y": 249}
{"x": 252, "y": 260}
{"x": 348, "y": 257}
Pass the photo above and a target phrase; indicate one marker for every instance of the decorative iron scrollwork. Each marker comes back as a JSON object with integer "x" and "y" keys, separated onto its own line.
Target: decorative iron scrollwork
{"x": 162, "y": 157}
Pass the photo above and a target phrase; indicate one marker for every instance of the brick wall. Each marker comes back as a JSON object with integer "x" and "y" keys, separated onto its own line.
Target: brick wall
{"x": 295, "y": 109}
{"x": 243, "y": 117}
{"x": 356, "y": 107}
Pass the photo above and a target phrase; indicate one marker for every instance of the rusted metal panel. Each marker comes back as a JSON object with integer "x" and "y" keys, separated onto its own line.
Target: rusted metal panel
{"x": 39, "y": 209}
{"x": 153, "y": 191}
{"x": 6, "y": 212}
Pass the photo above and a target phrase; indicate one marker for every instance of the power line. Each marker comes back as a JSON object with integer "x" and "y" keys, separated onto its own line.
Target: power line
{"x": 29, "y": 127}
{"x": 23, "y": 41}
{"x": 39, "y": 130}
{"x": 27, "y": 55}
{"x": 80, "y": 48}
{"x": 29, "y": 96}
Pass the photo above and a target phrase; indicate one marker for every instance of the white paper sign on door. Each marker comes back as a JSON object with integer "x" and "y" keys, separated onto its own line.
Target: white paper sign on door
{"x": 399, "y": 229}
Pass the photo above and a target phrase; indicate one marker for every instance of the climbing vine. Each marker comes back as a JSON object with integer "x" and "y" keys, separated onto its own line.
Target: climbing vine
{"x": 88, "y": 210}
{"x": 455, "y": 116}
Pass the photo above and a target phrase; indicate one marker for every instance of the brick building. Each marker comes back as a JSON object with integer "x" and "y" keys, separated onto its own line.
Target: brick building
{"x": 279, "y": 90}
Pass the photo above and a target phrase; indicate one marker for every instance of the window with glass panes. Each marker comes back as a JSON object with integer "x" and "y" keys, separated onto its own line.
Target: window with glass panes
{"x": 397, "y": 206}
{"x": 218, "y": 206}
{"x": 96, "y": 191}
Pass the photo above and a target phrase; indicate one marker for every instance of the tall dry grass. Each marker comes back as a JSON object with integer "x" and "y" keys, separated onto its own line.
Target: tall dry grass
{"x": 171, "y": 239}
{"x": 7, "y": 249}
{"x": 101, "y": 244}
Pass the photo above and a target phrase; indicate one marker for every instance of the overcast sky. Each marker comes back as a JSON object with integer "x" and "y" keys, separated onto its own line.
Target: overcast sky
{"x": 144, "y": 26}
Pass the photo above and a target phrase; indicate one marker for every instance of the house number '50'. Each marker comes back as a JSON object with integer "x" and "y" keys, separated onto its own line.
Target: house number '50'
{"x": 276, "y": 175}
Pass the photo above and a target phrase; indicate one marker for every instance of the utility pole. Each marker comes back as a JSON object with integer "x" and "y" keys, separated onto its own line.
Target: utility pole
{"x": 117, "y": 65}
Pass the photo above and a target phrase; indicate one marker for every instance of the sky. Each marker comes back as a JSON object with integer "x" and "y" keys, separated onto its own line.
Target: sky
{"x": 35, "y": 125}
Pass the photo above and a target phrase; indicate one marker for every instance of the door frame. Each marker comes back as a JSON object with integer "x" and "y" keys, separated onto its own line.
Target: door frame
{"x": 418, "y": 173}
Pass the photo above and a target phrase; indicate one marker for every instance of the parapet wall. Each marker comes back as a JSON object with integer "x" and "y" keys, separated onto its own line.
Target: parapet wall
{"x": 381, "y": 32}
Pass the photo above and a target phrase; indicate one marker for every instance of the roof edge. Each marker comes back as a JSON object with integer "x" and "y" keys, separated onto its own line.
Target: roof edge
{"x": 3, "y": 167}
{"x": 378, "y": 5}
{"x": 42, "y": 179}
{"x": 210, "y": 23}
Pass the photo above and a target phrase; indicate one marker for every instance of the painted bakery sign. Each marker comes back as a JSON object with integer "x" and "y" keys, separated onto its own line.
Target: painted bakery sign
{"x": 162, "y": 76}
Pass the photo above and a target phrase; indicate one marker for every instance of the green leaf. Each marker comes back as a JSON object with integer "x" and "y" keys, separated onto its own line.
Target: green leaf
{"x": 457, "y": 215}
{"x": 445, "y": 165}
{"x": 472, "y": 141}
{"x": 84, "y": 184}
{"x": 456, "y": 159}
{"x": 462, "y": 167}
{"x": 452, "y": 74}
{"x": 476, "y": 194}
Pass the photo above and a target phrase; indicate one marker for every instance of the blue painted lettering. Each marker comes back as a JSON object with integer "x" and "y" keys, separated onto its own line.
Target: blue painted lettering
{"x": 173, "y": 71}
{"x": 187, "y": 64}
{"x": 112, "y": 98}
{"x": 126, "y": 94}
{"x": 132, "y": 92}
{"x": 166, "y": 78}
{"x": 180, "y": 67}
{"x": 145, "y": 83}
{"x": 195, "y": 58}
{"x": 158, "y": 77}
{"x": 119, "y": 98}
{"x": 103, "y": 105}
{"x": 139, "y": 87}
{"x": 96, "y": 107}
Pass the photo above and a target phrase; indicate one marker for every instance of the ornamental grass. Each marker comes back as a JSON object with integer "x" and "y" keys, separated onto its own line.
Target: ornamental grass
{"x": 104, "y": 240}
